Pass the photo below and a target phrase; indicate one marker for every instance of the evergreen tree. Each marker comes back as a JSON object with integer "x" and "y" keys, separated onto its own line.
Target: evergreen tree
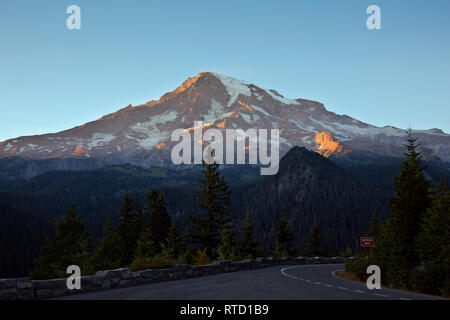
{"x": 174, "y": 245}
{"x": 145, "y": 247}
{"x": 129, "y": 229}
{"x": 347, "y": 253}
{"x": 107, "y": 254}
{"x": 433, "y": 276}
{"x": 279, "y": 250}
{"x": 72, "y": 246}
{"x": 227, "y": 247}
{"x": 213, "y": 199}
{"x": 374, "y": 227}
{"x": 383, "y": 250}
{"x": 435, "y": 235}
{"x": 157, "y": 218}
{"x": 283, "y": 237}
{"x": 315, "y": 244}
{"x": 409, "y": 204}
{"x": 248, "y": 244}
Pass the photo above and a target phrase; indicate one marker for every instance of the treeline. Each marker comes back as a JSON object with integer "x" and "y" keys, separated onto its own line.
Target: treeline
{"x": 98, "y": 193}
{"x": 148, "y": 237}
{"x": 413, "y": 245}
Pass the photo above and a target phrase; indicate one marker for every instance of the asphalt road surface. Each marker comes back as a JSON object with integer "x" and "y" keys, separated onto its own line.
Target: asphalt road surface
{"x": 304, "y": 282}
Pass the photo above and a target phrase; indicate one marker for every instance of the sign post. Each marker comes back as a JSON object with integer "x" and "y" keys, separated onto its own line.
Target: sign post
{"x": 367, "y": 242}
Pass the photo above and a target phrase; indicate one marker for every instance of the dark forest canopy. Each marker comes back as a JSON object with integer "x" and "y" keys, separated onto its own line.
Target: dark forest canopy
{"x": 342, "y": 194}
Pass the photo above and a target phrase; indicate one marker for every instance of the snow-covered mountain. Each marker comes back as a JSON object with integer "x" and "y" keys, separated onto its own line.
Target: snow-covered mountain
{"x": 141, "y": 134}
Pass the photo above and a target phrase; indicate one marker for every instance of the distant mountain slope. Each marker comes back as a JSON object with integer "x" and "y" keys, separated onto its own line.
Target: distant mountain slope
{"x": 140, "y": 135}
{"x": 307, "y": 187}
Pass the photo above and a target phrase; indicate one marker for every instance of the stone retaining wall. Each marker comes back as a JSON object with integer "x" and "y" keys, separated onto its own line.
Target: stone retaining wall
{"x": 26, "y": 289}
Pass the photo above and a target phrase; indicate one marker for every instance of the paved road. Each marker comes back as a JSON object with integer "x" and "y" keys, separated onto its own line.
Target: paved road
{"x": 275, "y": 283}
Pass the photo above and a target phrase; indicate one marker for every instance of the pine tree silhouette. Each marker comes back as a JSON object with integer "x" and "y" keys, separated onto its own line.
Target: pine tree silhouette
{"x": 248, "y": 244}
{"x": 213, "y": 199}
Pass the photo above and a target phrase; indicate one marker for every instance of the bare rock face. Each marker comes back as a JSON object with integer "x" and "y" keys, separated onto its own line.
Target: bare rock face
{"x": 140, "y": 135}
{"x": 329, "y": 146}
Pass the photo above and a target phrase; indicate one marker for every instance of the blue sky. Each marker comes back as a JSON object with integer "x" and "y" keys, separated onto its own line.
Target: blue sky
{"x": 52, "y": 78}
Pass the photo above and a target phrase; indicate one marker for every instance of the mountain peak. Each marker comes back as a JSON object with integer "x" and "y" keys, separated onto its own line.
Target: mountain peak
{"x": 205, "y": 82}
{"x": 142, "y": 134}
{"x": 216, "y": 85}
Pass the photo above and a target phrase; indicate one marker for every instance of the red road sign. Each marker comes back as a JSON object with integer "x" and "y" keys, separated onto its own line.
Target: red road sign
{"x": 367, "y": 241}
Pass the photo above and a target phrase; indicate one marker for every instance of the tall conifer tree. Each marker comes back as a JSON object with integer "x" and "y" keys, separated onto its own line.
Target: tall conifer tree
{"x": 374, "y": 226}
{"x": 409, "y": 204}
{"x": 248, "y": 244}
{"x": 107, "y": 254}
{"x": 283, "y": 238}
{"x": 72, "y": 246}
{"x": 433, "y": 274}
{"x": 213, "y": 199}
{"x": 157, "y": 219}
{"x": 316, "y": 244}
{"x": 174, "y": 244}
{"x": 129, "y": 229}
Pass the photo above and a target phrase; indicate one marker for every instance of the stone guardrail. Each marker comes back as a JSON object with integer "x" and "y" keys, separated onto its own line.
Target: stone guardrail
{"x": 26, "y": 289}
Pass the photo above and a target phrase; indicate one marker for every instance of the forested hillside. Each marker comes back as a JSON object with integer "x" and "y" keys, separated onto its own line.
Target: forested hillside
{"x": 21, "y": 236}
{"x": 308, "y": 187}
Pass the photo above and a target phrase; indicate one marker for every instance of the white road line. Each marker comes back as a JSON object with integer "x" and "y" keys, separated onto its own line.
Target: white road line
{"x": 283, "y": 271}
{"x": 287, "y": 275}
{"x": 359, "y": 291}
